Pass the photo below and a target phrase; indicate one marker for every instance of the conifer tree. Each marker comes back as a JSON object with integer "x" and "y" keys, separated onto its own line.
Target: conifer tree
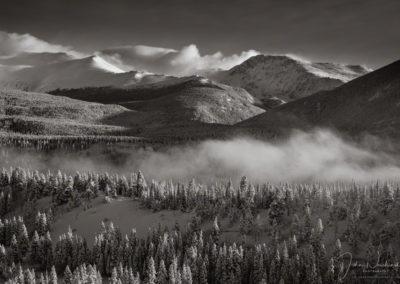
{"x": 42, "y": 279}
{"x": 320, "y": 227}
{"x": 114, "y": 276}
{"x": 258, "y": 270}
{"x": 3, "y": 259}
{"x": 186, "y": 274}
{"x": 330, "y": 274}
{"x": 307, "y": 224}
{"x": 173, "y": 272}
{"x": 47, "y": 251}
{"x": 23, "y": 241}
{"x": 140, "y": 183}
{"x": 276, "y": 211}
{"x": 216, "y": 230}
{"x": 35, "y": 246}
{"x": 29, "y": 276}
{"x": 202, "y": 279}
{"x": 244, "y": 184}
{"x": 53, "y": 276}
{"x": 15, "y": 251}
{"x": 162, "y": 274}
{"x": 20, "y": 277}
{"x": 151, "y": 275}
{"x": 68, "y": 276}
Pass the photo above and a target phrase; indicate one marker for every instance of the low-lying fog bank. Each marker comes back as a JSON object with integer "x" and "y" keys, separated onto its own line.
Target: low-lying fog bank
{"x": 320, "y": 155}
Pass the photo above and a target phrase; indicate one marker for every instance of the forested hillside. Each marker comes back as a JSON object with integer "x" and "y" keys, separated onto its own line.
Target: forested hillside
{"x": 286, "y": 233}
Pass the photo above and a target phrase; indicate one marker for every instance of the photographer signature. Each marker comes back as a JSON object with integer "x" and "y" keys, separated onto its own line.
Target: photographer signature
{"x": 348, "y": 257}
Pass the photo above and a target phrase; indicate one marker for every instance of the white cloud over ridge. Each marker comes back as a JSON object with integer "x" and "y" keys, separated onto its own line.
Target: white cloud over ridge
{"x": 187, "y": 61}
{"x": 183, "y": 62}
{"x": 158, "y": 60}
{"x": 13, "y": 44}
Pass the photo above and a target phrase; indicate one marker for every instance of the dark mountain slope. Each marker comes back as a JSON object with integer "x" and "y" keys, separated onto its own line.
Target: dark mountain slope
{"x": 370, "y": 103}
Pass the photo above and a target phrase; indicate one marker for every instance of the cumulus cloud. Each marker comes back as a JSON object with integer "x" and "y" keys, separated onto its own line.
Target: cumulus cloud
{"x": 13, "y": 44}
{"x": 186, "y": 61}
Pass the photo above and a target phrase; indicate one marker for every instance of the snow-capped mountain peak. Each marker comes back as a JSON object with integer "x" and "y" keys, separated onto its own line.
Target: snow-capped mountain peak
{"x": 287, "y": 77}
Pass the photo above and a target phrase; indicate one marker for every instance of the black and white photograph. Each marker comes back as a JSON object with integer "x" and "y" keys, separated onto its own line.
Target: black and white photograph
{"x": 199, "y": 141}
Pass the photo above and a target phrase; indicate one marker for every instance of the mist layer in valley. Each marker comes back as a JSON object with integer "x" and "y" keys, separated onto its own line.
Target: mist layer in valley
{"x": 303, "y": 157}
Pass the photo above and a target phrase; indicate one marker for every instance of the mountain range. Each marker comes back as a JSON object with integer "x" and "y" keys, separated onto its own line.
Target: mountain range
{"x": 264, "y": 93}
{"x": 272, "y": 80}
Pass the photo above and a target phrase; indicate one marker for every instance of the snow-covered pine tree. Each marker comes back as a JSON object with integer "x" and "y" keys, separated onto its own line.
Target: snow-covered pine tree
{"x": 53, "y": 276}
{"x": 68, "y": 275}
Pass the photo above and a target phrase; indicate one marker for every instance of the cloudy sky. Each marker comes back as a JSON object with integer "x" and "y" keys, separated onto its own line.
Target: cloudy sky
{"x": 350, "y": 31}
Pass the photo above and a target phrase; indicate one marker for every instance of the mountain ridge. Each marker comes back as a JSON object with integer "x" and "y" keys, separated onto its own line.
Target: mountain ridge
{"x": 179, "y": 102}
{"x": 284, "y": 78}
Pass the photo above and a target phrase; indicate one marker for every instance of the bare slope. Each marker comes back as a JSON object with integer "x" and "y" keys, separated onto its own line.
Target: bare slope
{"x": 274, "y": 79}
{"x": 124, "y": 213}
{"x": 370, "y": 103}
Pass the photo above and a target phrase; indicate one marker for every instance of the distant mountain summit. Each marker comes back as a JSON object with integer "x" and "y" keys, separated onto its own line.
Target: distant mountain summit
{"x": 278, "y": 79}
